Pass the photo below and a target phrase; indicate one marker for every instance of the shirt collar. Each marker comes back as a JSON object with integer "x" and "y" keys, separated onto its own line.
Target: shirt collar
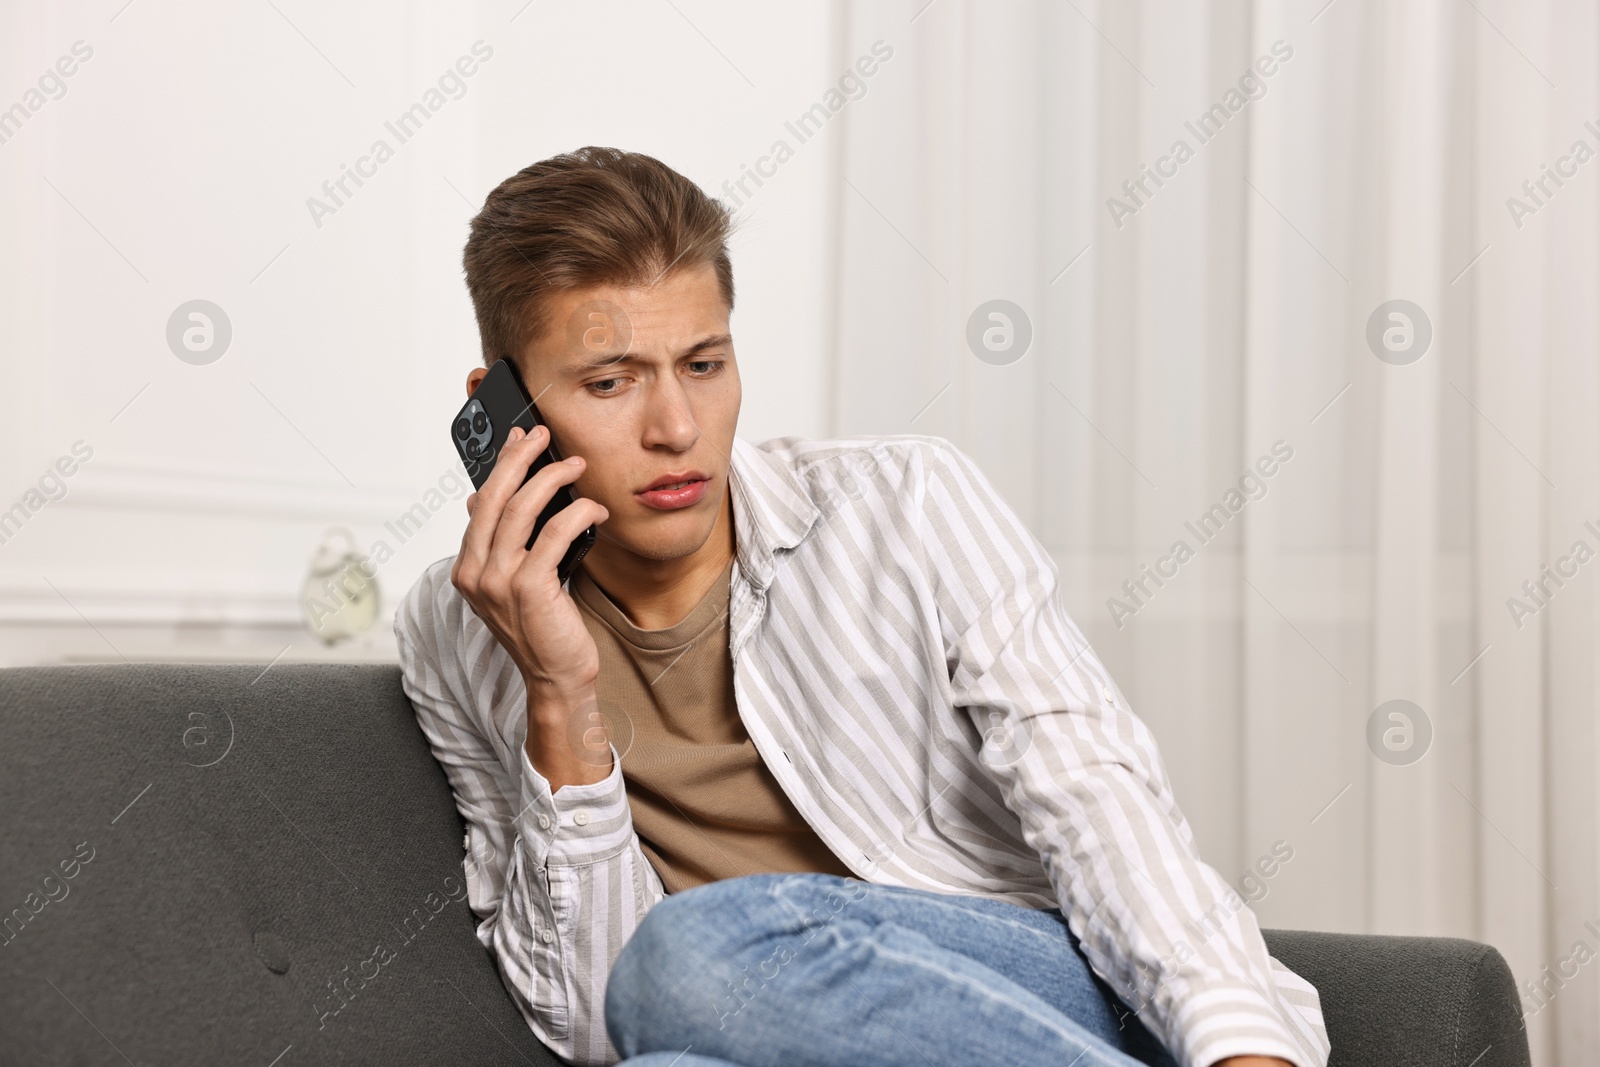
{"x": 772, "y": 509}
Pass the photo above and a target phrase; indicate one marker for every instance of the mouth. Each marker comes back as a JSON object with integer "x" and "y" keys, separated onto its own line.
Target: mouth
{"x": 676, "y": 489}
{"x": 676, "y": 480}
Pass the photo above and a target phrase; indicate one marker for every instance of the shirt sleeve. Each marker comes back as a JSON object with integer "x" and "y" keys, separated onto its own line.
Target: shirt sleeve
{"x": 557, "y": 881}
{"x": 1082, "y": 773}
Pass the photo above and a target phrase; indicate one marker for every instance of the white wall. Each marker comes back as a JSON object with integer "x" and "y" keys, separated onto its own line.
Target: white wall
{"x": 178, "y": 165}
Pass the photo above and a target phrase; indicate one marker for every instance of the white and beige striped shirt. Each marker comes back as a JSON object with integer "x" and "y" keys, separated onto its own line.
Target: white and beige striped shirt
{"x": 904, "y": 666}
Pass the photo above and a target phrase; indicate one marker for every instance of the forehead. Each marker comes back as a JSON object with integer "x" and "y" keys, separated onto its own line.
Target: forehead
{"x": 651, "y": 321}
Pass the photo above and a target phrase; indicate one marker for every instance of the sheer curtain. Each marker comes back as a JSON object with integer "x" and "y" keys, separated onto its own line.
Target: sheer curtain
{"x": 1362, "y": 487}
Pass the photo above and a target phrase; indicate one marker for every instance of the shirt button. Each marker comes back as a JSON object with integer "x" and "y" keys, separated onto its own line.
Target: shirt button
{"x": 1105, "y": 691}
{"x": 466, "y": 842}
{"x": 546, "y": 935}
{"x": 581, "y": 818}
{"x": 544, "y": 822}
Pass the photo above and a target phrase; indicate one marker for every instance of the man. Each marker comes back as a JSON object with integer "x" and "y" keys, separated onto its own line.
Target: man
{"x": 805, "y": 763}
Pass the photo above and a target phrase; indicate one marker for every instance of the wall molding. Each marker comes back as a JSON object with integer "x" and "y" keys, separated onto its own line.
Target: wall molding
{"x": 169, "y": 489}
{"x": 153, "y": 605}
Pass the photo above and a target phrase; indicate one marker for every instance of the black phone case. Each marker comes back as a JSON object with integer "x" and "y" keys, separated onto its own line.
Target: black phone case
{"x": 503, "y": 403}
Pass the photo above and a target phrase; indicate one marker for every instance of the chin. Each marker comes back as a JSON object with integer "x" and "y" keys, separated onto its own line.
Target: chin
{"x": 678, "y": 536}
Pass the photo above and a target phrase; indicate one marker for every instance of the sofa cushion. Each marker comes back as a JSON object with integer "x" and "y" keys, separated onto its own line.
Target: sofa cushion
{"x": 208, "y": 864}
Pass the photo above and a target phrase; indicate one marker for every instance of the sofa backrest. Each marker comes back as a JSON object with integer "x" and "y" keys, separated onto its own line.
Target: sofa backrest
{"x": 212, "y": 864}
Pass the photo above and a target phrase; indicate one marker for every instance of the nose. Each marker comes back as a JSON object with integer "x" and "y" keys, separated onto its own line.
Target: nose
{"x": 669, "y": 423}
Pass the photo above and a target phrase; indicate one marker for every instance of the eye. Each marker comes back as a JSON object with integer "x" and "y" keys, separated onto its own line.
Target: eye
{"x": 705, "y": 367}
{"x": 606, "y": 386}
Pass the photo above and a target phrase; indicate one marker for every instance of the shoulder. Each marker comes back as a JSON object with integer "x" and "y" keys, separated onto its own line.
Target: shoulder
{"x": 927, "y": 488}
{"x": 897, "y": 464}
{"x": 430, "y": 611}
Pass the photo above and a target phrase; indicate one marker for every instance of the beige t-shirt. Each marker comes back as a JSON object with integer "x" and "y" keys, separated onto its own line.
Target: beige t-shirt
{"x": 704, "y": 804}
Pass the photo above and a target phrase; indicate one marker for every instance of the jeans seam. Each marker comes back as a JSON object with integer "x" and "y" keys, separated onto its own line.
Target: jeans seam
{"x": 935, "y": 900}
{"x": 1088, "y": 1046}
{"x": 1048, "y": 936}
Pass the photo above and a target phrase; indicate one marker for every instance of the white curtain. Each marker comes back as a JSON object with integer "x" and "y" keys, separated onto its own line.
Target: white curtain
{"x": 1182, "y": 329}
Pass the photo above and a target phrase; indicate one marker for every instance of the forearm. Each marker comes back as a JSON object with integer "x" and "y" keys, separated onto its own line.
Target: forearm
{"x": 587, "y": 887}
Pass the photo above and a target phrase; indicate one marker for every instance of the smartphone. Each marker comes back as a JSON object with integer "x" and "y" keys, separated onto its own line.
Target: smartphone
{"x": 479, "y": 432}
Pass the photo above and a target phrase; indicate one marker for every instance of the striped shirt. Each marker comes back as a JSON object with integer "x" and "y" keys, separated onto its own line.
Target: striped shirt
{"x": 904, "y": 666}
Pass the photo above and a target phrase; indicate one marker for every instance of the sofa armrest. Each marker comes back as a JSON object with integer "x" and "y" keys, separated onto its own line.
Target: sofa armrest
{"x": 1409, "y": 1001}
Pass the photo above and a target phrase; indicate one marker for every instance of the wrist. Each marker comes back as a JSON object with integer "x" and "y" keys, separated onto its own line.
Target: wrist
{"x": 568, "y": 741}
{"x": 552, "y": 699}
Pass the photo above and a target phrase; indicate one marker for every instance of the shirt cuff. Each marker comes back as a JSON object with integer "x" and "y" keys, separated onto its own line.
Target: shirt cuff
{"x": 1235, "y": 1020}
{"x": 585, "y": 823}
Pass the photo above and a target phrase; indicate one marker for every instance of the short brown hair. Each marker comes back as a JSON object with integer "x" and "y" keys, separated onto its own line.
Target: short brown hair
{"x": 597, "y": 216}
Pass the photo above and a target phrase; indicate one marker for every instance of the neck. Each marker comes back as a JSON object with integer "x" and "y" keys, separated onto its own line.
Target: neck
{"x": 656, "y": 593}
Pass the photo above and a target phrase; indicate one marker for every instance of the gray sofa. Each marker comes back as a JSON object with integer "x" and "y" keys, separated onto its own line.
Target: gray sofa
{"x": 207, "y": 865}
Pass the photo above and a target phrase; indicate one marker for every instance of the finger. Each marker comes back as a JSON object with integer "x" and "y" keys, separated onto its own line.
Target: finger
{"x": 559, "y": 533}
{"x": 521, "y": 513}
{"x": 516, "y": 456}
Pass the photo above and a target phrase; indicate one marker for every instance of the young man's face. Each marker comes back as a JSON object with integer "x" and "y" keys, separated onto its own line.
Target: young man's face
{"x": 642, "y": 383}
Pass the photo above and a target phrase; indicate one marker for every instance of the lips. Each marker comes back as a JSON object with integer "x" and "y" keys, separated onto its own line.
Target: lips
{"x": 675, "y": 489}
{"x": 676, "y": 480}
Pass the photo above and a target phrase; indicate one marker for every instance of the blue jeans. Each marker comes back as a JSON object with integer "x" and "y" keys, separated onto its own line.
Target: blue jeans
{"x": 814, "y": 970}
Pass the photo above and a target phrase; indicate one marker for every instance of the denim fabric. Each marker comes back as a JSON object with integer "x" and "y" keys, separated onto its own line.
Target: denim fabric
{"x": 814, "y": 970}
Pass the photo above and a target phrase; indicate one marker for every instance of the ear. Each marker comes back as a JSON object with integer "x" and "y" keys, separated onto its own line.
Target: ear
{"x": 474, "y": 377}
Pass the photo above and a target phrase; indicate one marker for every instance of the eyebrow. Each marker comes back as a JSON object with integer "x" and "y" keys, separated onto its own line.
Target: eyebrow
{"x": 601, "y": 362}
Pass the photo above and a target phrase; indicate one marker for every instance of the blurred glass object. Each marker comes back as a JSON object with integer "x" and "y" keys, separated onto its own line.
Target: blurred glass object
{"x": 340, "y": 596}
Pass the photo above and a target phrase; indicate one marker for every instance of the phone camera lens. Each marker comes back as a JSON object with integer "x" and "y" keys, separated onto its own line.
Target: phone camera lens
{"x": 473, "y": 448}
{"x": 463, "y": 428}
{"x": 480, "y": 422}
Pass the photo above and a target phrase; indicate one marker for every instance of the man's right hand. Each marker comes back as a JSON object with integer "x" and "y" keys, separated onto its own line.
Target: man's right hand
{"x": 515, "y": 591}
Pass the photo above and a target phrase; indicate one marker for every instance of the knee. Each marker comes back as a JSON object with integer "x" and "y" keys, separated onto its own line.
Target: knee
{"x": 691, "y": 925}
{"x": 673, "y": 972}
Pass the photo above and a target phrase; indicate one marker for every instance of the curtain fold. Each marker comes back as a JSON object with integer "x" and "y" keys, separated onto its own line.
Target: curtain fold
{"x": 1194, "y": 307}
